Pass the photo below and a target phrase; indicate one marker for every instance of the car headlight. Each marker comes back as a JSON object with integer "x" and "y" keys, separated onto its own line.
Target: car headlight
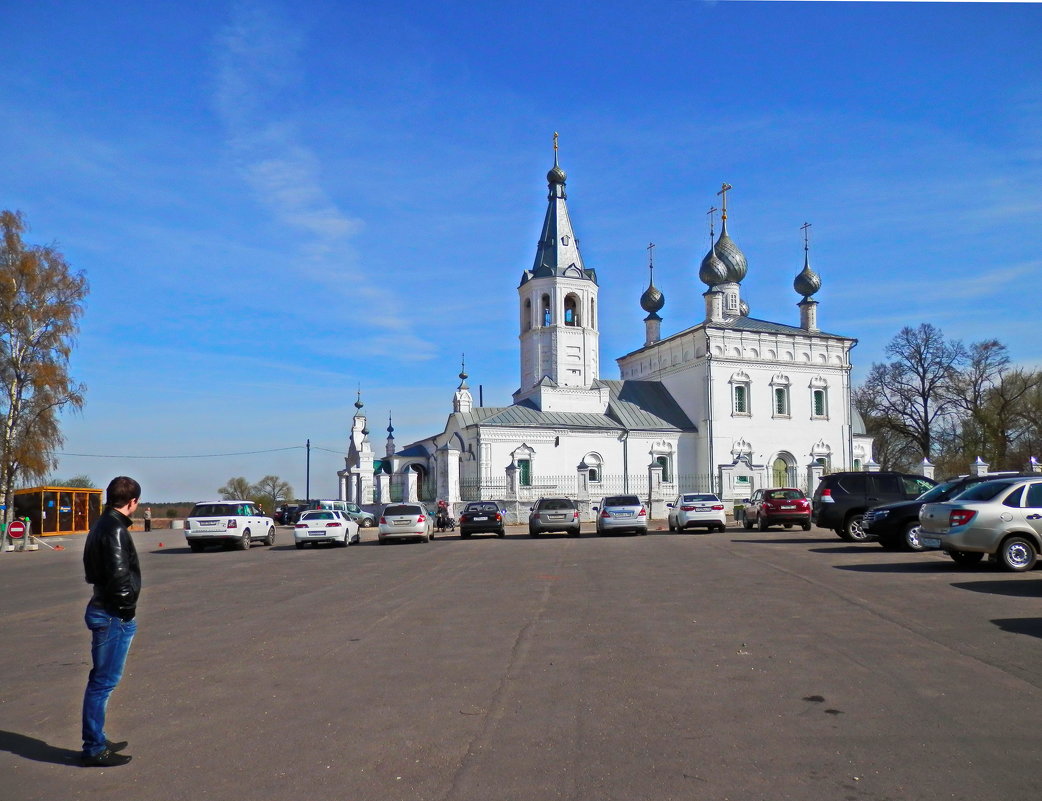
{"x": 879, "y": 514}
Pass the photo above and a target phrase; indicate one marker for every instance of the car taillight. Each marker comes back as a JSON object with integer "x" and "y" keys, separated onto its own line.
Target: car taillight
{"x": 383, "y": 522}
{"x": 575, "y": 515}
{"x": 233, "y": 523}
{"x": 643, "y": 512}
{"x": 605, "y": 513}
{"x": 499, "y": 517}
{"x": 334, "y": 524}
{"x": 960, "y": 517}
{"x": 687, "y": 508}
{"x": 301, "y": 525}
{"x": 420, "y": 519}
{"x": 718, "y": 507}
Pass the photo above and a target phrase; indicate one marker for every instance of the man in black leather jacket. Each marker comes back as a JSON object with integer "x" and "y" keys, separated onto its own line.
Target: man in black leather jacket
{"x": 111, "y": 565}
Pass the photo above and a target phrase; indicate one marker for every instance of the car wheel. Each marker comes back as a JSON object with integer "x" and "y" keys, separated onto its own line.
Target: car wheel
{"x": 300, "y": 546}
{"x": 196, "y": 546}
{"x": 464, "y": 534}
{"x": 747, "y": 524}
{"x": 1017, "y": 554}
{"x": 965, "y": 558}
{"x": 367, "y": 522}
{"x": 763, "y": 525}
{"x": 855, "y": 529}
{"x": 346, "y": 540}
{"x": 244, "y": 541}
{"x": 722, "y": 528}
{"x": 532, "y": 532}
{"x": 382, "y": 540}
{"x": 270, "y": 539}
{"x": 574, "y": 533}
{"x": 806, "y": 526}
{"x": 910, "y": 537}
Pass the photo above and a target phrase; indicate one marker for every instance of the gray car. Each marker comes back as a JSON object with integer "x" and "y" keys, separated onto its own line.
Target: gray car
{"x": 621, "y": 513}
{"x": 1001, "y": 519}
{"x": 554, "y": 514}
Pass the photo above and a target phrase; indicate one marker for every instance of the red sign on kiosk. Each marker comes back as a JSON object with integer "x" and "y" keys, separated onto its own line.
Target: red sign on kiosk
{"x": 16, "y": 529}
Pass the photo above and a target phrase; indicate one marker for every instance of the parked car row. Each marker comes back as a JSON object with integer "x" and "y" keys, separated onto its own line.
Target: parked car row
{"x": 289, "y": 514}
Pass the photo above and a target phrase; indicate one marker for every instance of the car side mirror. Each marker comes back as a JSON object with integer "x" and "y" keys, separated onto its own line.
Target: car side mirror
{"x": 596, "y": 508}
{"x": 669, "y": 506}
{"x": 745, "y": 500}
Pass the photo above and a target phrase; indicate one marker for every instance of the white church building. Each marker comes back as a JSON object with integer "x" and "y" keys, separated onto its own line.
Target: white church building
{"x": 727, "y": 405}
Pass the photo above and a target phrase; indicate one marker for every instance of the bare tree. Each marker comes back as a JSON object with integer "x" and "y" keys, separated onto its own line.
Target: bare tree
{"x": 237, "y": 489}
{"x": 271, "y": 491}
{"x": 41, "y": 301}
{"x": 911, "y": 395}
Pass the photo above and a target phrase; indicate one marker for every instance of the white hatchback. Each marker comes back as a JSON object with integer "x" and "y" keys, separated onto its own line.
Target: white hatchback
{"x": 236, "y": 523}
{"x": 325, "y": 525}
{"x": 411, "y": 521}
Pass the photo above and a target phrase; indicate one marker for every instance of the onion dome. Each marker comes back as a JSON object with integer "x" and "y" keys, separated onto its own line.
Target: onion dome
{"x": 556, "y": 174}
{"x": 731, "y": 255}
{"x": 807, "y": 282}
{"x": 743, "y": 309}
{"x": 390, "y": 428}
{"x": 359, "y": 404}
{"x": 652, "y": 300}
{"x": 713, "y": 271}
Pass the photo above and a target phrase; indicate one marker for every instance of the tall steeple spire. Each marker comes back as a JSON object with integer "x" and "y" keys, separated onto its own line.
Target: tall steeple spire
{"x": 462, "y": 401}
{"x": 652, "y": 302}
{"x": 558, "y": 250}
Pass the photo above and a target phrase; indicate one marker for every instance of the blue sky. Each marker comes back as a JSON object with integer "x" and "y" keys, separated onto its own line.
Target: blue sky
{"x": 276, "y": 203}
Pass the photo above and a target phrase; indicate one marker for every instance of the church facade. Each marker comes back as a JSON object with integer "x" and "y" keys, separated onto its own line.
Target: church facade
{"x": 728, "y": 405}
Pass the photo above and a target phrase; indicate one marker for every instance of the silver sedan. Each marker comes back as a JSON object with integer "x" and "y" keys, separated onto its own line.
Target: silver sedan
{"x": 406, "y": 521}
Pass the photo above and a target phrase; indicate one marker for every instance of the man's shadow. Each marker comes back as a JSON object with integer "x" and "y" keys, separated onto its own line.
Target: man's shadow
{"x": 37, "y": 750}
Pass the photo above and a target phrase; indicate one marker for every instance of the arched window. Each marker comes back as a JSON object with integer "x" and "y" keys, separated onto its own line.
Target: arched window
{"x": 527, "y": 322}
{"x": 571, "y": 310}
{"x": 546, "y": 310}
{"x": 664, "y": 462}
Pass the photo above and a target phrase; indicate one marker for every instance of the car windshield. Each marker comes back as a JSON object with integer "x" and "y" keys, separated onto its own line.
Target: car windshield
{"x": 482, "y": 507}
{"x": 622, "y": 500}
{"x": 318, "y": 516}
{"x": 985, "y": 491}
{"x": 403, "y": 509}
{"x": 939, "y": 493}
{"x": 784, "y": 495}
{"x": 704, "y": 496}
{"x": 555, "y": 503}
{"x": 213, "y": 510}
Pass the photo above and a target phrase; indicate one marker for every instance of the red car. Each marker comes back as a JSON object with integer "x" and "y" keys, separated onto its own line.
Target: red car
{"x": 780, "y": 506}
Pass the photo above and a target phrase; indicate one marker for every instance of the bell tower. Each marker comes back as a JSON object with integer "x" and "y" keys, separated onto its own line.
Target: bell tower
{"x": 558, "y": 305}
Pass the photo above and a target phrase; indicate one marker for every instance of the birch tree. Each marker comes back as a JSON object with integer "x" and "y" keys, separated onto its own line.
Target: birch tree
{"x": 41, "y": 301}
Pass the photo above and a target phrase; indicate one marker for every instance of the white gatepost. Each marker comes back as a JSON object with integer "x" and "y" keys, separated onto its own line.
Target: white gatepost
{"x": 582, "y": 495}
{"x": 872, "y": 466}
{"x": 448, "y": 475}
{"x": 383, "y": 488}
{"x": 927, "y": 467}
{"x": 815, "y": 470}
{"x": 1034, "y": 466}
{"x": 656, "y": 501}
{"x": 979, "y": 468}
{"x": 412, "y": 493}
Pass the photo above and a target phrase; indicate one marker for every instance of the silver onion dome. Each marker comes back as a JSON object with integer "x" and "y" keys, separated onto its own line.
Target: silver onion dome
{"x": 732, "y": 257}
{"x": 556, "y": 175}
{"x": 713, "y": 271}
{"x": 807, "y": 282}
{"x": 652, "y": 300}
{"x": 743, "y": 309}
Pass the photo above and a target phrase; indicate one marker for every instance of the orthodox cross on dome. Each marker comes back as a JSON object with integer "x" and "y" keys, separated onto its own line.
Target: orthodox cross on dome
{"x": 724, "y": 189}
{"x": 712, "y": 222}
{"x": 651, "y": 257}
{"x": 555, "y": 140}
{"x": 806, "y": 236}
{"x": 463, "y": 371}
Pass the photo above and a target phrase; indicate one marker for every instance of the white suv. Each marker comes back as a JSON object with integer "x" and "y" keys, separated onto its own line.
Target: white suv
{"x": 235, "y": 523}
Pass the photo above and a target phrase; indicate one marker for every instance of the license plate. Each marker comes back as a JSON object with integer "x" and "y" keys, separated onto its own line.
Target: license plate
{"x": 480, "y": 518}
{"x": 402, "y": 522}
{"x": 788, "y": 507}
{"x": 556, "y": 517}
{"x": 207, "y": 522}
{"x": 624, "y": 514}
{"x": 316, "y": 533}
{"x": 701, "y": 508}
{"x": 930, "y": 542}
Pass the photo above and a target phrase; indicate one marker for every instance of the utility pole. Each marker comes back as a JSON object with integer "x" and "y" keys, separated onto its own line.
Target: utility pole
{"x": 307, "y": 474}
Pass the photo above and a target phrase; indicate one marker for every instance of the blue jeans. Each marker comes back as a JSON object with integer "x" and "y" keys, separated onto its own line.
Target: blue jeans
{"x": 110, "y": 643}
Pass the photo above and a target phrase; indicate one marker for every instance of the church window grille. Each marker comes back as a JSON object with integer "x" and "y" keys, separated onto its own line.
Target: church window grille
{"x": 741, "y": 399}
{"x": 781, "y": 401}
{"x": 663, "y": 461}
{"x": 524, "y": 472}
{"x": 595, "y": 475}
{"x": 820, "y": 401}
{"x": 528, "y": 314}
{"x": 857, "y": 464}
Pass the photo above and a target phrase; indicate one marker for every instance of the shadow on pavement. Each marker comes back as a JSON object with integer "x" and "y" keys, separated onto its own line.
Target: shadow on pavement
{"x": 918, "y": 566}
{"x": 871, "y": 547}
{"x": 1032, "y": 626}
{"x": 1013, "y": 587}
{"x": 785, "y": 541}
{"x": 37, "y": 750}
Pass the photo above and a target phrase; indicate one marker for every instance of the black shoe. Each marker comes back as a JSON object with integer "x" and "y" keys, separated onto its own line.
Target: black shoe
{"x": 116, "y": 747}
{"x": 106, "y": 759}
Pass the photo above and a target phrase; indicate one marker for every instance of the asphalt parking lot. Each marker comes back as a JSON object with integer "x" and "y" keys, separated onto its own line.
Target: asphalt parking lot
{"x": 744, "y": 665}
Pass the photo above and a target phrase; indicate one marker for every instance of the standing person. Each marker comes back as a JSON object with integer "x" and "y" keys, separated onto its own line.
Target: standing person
{"x": 148, "y": 518}
{"x": 110, "y": 563}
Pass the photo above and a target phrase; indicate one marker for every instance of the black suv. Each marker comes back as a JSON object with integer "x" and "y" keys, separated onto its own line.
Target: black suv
{"x": 896, "y": 525}
{"x": 841, "y": 499}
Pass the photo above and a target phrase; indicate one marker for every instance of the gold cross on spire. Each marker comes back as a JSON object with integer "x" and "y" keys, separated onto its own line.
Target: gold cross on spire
{"x": 651, "y": 254}
{"x": 555, "y": 139}
{"x": 806, "y": 236}
{"x": 712, "y": 222}
{"x": 724, "y": 189}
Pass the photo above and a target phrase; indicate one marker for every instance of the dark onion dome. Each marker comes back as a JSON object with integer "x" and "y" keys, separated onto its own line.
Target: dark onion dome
{"x": 731, "y": 255}
{"x": 807, "y": 282}
{"x": 652, "y": 300}
{"x": 743, "y": 309}
{"x": 556, "y": 175}
{"x": 713, "y": 271}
